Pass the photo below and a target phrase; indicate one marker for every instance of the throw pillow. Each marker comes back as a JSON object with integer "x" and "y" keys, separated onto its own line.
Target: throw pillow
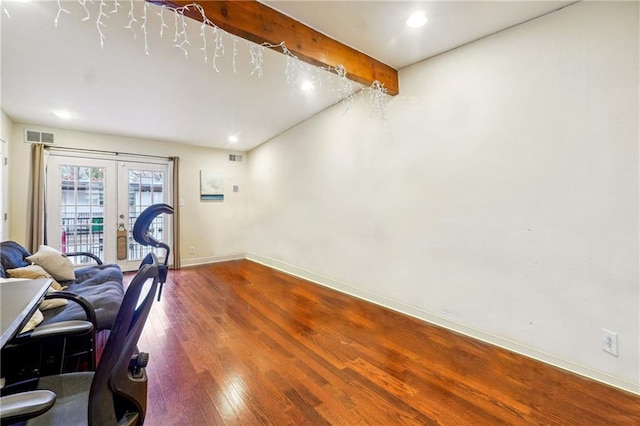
{"x": 52, "y": 303}
{"x": 33, "y": 272}
{"x": 54, "y": 262}
{"x": 35, "y": 319}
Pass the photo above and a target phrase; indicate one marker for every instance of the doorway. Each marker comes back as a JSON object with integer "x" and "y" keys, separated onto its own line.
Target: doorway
{"x": 93, "y": 202}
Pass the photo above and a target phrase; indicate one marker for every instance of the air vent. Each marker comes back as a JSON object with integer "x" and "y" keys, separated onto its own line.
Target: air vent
{"x": 234, "y": 157}
{"x": 34, "y": 136}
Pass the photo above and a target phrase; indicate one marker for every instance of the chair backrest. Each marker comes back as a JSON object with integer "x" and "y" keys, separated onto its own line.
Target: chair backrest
{"x": 141, "y": 227}
{"x": 143, "y": 237}
{"x": 115, "y": 392}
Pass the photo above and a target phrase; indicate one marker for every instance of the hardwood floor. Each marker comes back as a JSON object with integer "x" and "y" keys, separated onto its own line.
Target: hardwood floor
{"x": 237, "y": 343}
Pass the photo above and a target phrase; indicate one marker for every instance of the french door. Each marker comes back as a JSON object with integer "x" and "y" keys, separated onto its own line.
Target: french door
{"x": 93, "y": 203}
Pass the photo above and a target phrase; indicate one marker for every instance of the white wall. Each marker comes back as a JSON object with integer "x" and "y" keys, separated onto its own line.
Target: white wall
{"x": 500, "y": 198}
{"x": 216, "y": 229}
{"x": 6, "y": 131}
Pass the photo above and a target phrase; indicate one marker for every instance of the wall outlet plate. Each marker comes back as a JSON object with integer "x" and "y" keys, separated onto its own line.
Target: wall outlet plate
{"x": 610, "y": 342}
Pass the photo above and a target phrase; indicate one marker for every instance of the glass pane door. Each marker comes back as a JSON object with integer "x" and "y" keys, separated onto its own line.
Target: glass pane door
{"x": 141, "y": 185}
{"x": 92, "y": 205}
{"x": 78, "y": 191}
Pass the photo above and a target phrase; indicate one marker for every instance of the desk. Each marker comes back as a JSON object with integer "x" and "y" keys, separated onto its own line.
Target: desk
{"x": 18, "y": 301}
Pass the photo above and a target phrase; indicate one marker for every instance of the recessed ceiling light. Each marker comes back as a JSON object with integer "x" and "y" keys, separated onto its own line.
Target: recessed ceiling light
{"x": 233, "y": 139}
{"x": 307, "y": 86}
{"x": 417, "y": 20}
{"x": 61, "y": 113}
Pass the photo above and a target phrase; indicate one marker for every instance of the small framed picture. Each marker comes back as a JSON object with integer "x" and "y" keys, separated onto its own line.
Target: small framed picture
{"x": 211, "y": 185}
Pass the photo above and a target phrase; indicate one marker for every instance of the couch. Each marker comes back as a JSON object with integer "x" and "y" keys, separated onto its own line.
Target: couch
{"x": 100, "y": 285}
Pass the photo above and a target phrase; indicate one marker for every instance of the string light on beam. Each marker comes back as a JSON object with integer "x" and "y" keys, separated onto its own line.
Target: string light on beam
{"x": 346, "y": 88}
{"x": 116, "y": 6}
{"x": 203, "y": 36}
{"x": 132, "y": 19}
{"x": 144, "y": 27}
{"x": 296, "y": 71}
{"x": 84, "y": 5}
{"x": 219, "y": 47}
{"x": 60, "y": 11}
{"x": 377, "y": 98}
{"x": 100, "y": 24}
{"x": 235, "y": 54}
{"x": 163, "y": 25}
{"x": 257, "y": 58}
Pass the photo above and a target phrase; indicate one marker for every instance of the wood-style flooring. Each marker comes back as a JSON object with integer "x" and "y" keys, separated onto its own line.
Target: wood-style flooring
{"x": 236, "y": 343}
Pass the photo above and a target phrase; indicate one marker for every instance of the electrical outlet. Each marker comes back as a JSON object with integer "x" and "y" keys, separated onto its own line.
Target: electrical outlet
{"x": 192, "y": 250}
{"x": 610, "y": 342}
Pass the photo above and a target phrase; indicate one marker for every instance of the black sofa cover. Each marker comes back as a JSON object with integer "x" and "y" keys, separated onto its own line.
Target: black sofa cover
{"x": 100, "y": 285}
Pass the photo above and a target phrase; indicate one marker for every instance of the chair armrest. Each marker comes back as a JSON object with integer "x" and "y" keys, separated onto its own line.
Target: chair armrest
{"x": 25, "y": 405}
{"x": 84, "y": 304}
{"x": 64, "y": 328}
{"x": 85, "y": 253}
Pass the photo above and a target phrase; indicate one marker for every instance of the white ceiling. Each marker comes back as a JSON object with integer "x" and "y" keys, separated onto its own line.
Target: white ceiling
{"x": 166, "y": 96}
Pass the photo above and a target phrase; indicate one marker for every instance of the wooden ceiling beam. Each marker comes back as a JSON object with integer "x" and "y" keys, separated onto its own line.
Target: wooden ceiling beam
{"x": 259, "y": 23}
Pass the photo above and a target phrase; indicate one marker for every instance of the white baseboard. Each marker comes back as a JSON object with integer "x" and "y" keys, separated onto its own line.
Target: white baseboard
{"x": 211, "y": 259}
{"x": 447, "y": 323}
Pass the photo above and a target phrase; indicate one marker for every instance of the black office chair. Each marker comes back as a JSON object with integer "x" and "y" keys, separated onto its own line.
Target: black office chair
{"x": 143, "y": 237}
{"x": 116, "y": 394}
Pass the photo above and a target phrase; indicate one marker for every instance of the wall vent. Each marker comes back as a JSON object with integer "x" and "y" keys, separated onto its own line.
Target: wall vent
{"x": 35, "y": 136}
{"x": 235, "y": 157}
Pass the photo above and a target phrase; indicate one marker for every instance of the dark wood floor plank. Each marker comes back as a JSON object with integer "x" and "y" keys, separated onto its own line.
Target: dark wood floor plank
{"x": 237, "y": 343}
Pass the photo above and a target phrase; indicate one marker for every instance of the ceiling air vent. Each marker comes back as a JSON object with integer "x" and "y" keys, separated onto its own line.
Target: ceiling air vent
{"x": 34, "y": 136}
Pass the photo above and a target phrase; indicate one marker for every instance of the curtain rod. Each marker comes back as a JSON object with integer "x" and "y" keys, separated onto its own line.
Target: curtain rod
{"x": 99, "y": 151}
